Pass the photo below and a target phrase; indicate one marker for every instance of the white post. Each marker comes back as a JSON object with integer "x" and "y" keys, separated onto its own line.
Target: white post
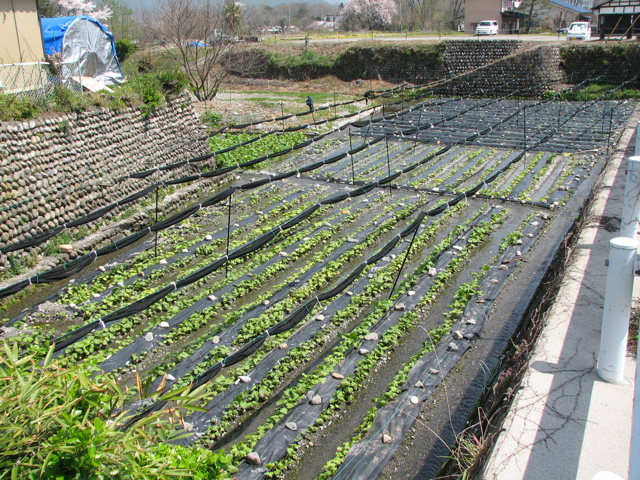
{"x": 634, "y": 454}
{"x": 637, "y": 151}
{"x": 617, "y": 309}
{"x": 631, "y": 205}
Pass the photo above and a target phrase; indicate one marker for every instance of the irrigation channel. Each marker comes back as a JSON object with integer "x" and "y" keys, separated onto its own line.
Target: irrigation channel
{"x": 342, "y": 321}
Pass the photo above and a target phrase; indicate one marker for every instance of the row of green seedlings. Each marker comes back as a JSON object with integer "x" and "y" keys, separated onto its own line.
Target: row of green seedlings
{"x": 162, "y": 276}
{"x": 515, "y": 237}
{"x": 320, "y": 280}
{"x": 186, "y": 265}
{"x": 177, "y": 301}
{"x": 459, "y": 166}
{"x": 299, "y": 357}
{"x": 538, "y": 179}
{"x": 325, "y": 148}
{"x": 382, "y": 280}
{"x": 462, "y": 296}
{"x": 218, "y": 354}
{"x": 366, "y": 165}
{"x": 421, "y": 182}
{"x": 376, "y": 165}
{"x": 493, "y": 164}
{"x": 455, "y": 187}
{"x": 203, "y": 319}
{"x": 173, "y": 242}
{"x": 506, "y": 190}
{"x": 347, "y": 391}
{"x": 568, "y": 169}
{"x": 266, "y": 145}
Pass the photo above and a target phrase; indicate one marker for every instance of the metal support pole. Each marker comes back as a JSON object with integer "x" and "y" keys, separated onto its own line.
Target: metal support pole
{"x": 617, "y": 309}
{"x": 634, "y": 454}
{"x": 524, "y": 130}
{"x": 156, "y": 245}
{"x": 404, "y": 261}
{"x": 631, "y": 204}
{"x": 418, "y": 128}
{"x": 637, "y": 151}
{"x": 226, "y": 273}
{"x": 609, "y": 134}
{"x": 386, "y": 138}
{"x": 353, "y": 171}
{"x": 559, "y": 110}
{"x": 282, "y": 112}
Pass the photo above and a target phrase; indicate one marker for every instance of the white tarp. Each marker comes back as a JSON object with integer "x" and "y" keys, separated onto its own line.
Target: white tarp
{"x": 84, "y": 40}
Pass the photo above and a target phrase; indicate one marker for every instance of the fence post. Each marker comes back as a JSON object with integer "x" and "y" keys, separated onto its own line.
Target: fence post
{"x": 634, "y": 454}
{"x": 617, "y": 309}
{"x": 631, "y": 204}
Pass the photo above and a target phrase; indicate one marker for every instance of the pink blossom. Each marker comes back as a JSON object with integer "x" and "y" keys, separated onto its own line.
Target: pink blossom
{"x": 375, "y": 13}
{"x": 83, "y": 7}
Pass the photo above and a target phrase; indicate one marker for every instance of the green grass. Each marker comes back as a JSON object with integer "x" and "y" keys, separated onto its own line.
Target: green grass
{"x": 595, "y": 90}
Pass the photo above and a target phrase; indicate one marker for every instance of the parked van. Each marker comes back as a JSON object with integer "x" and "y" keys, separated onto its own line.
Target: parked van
{"x": 580, "y": 31}
{"x": 487, "y": 27}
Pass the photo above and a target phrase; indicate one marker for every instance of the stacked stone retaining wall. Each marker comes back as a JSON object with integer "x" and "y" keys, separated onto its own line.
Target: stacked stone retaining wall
{"x": 57, "y": 168}
{"x": 521, "y": 70}
{"x": 393, "y": 62}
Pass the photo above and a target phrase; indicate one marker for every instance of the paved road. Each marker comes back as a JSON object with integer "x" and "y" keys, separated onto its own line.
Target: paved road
{"x": 434, "y": 38}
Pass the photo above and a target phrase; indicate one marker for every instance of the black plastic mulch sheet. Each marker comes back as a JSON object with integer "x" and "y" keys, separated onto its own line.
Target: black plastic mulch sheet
{"x": 273, "y": 445}
{"x": 288, "y": 323}
{"x": 368, "y": 457}
{"x": 99, "y": 213}
{"x": 140, "y": 345}
{"x": 215, "y": 408}
{"x": 217, "y": 198}
{"x": 227, "y": 336}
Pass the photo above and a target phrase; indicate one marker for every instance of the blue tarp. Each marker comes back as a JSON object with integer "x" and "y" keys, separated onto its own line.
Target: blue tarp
{"x": 53, "y": 30}
{"x": 85, "y": 41}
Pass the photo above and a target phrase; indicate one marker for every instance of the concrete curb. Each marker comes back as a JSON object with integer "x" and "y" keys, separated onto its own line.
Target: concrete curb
{"x": 565, "y": 422}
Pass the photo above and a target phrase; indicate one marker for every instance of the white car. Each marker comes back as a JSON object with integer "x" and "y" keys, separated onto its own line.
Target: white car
{"x": 580, "y": 31}
{"x": 487, "y": 27}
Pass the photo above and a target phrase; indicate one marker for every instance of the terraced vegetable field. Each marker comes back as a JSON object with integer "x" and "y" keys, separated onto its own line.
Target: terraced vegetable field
{"x": 342, "y": 312}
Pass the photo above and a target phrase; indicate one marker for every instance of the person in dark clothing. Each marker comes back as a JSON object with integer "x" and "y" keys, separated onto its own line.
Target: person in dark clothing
{"x": 310, "y": 103}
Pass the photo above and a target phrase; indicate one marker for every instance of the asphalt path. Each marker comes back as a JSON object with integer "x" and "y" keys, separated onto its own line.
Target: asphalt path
{"x": 433, "y": 38}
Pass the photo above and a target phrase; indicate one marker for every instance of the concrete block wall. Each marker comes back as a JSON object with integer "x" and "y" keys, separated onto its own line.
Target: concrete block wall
{"x": 57, "y": 168}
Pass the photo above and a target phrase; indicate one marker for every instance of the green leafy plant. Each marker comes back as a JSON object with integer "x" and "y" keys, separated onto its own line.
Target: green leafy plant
{"x": 124, "y": 48}
{"x": 60, "y": 422}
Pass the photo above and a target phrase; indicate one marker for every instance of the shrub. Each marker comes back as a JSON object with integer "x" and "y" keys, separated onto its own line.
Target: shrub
{"x": 147, "y": 87}
{"x": 172, "y": 81}
{"x": 211, "y": 118}
{"x": 124, "y": 48}
{"x": 58, "y": 422}
{"x": 14, "y": 108}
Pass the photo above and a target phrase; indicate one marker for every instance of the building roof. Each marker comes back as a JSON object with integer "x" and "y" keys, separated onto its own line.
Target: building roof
{"x": 570, "y": 6}
{"x": 629, "y": 3}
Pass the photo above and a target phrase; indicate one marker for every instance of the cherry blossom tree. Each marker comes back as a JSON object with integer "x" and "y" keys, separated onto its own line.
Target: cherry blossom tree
{"x": 372, "y": 14}
{"x": 67, "y": 8}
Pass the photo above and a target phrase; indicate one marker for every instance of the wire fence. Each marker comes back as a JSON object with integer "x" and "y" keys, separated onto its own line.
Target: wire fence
{"x": 37, "y": 80}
